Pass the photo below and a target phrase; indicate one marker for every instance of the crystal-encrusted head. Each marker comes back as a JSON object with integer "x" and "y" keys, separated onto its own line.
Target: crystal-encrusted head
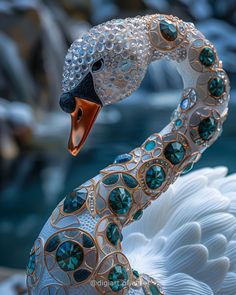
{"x": 116, "y": 54}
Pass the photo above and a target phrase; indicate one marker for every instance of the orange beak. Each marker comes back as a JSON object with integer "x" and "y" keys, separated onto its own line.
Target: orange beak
{"x": 82, "y": 120}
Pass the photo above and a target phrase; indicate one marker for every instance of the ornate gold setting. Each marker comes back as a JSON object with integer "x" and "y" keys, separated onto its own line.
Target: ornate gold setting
{"x": 90, "y": 255}
{"x": 103, "y": 285}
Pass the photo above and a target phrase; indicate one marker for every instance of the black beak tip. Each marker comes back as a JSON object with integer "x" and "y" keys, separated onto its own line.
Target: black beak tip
{"x": 67, "y": 102}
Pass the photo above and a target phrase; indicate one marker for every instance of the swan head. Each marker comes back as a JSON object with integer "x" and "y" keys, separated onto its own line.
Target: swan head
{"x": 105, "y": 66}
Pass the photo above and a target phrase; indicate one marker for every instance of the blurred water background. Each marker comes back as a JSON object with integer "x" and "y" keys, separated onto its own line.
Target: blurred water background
{"x": 36, "y": 170}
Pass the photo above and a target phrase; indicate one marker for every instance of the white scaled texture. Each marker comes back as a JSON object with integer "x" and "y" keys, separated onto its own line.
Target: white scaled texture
{"x": 187, "y": 238}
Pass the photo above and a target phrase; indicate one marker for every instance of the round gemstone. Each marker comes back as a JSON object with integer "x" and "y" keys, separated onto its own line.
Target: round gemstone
{"x": 118, "y": 278}
{"x": 216, "y": 87}
{"x": 174, "y": 152}
{"x": 138, "y": 215}
{"x": 74, "y": 201}
{"x": 168, "y": 30}
{"x": 207, "y": 56}
{"x": 31, "y": 264}
{"x": 207, "y": 128}
{"x": 113, "y": 233}
{"x": 69, "y": 256}
{"x": 155, "y": 177}
{"x": 123, "y": 158}
{"x": 120, "y": 200}
{"x": 150, "y": 145}
{"x": 154, "y": 289}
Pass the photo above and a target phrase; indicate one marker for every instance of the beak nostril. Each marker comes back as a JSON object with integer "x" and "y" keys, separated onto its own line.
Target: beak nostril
{"x": 67, "y": 102}
{"x": 79, "y": 114}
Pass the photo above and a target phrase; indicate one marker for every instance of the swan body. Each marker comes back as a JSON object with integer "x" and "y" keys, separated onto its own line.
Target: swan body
{"x": 79, "y": 249}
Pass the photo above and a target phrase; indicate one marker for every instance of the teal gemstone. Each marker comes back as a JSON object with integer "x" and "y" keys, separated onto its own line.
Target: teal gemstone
{"x": 120, "y": 200}
{"x": 207, "y": 56}
{"x": 136, "y": 274}
{"x": 31, "y": 264}
{"x": 168, "y": 30}
{"x": 118, "y": 278}
{"x": 53, "y": 243}
{"x": 110, "y": 180}
{"x": 174, "y": 152}
{"x": 130, "y": 181}
{"x": 178, "y": 123}
{"x": 207, "y": 128}
{"x": 155, "y": 177}
{"x": 113, "y": 234}
{"x": 74, "y": 201}
{"x": 123, "y": 158}
{"x": 154, "y": 289}
{"x": 81, "y": 275}
{"x": 188, "y": 168}
{"x": 216, "y": 87}
{"x": 138, "y": 215}
{"x": 87, "y": 241}
{"x": 150, "y": 145}
{"x": 69, "y": 256}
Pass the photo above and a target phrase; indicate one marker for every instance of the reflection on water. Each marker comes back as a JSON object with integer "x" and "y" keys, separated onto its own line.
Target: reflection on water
{"x": 26, "y": 205}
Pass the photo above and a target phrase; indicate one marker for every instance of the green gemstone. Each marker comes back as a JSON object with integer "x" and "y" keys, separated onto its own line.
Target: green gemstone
{"x": 69, "y": 256}
{"x": 174, "y": 152}
{"x": 136, "y": 273}
{"x": 138, "y": 215}
{"x": 53, "y": 243}
{"x": 113, "y": 234}
{"x": 130, "y": 181}
{"x": 74, "y": 201}
{"x": 155, "y": 176}
{"x": 207, "y": 128}
{"x": 188, "y": 168}
{"x": 168, "y": 30}
{"x": 87, "y": 242}
{"x": 150, "y": 145}
{"x": 207, "y": 56}
{"x": 118, "y": 278}
{"x": 154, "y": 289}
{"x": 110, "y": 180}
{"x": 216, "y": 87}
{"x": 120, "y": 200}
{"x": 31, "y": 264}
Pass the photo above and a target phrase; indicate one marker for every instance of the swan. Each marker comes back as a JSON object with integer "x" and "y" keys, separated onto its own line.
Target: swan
{"x": 185, "y": 241}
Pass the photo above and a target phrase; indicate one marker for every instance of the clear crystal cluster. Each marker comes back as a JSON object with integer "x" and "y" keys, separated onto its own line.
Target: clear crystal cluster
{"x": 124, "y": 47}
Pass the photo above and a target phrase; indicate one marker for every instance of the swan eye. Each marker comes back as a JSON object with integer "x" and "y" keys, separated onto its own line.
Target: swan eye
{"x": 97, "y": 65}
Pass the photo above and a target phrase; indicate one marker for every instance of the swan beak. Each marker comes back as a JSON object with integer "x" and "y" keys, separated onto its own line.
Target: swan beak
{"x": 82, "y": 120}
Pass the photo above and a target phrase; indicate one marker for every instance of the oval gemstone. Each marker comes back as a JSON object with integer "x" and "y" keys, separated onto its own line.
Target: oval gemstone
{"x": 130, "y": 181}
{"x": 74, "y": 201}
{"x": 207, "y": 56}
{"x": 154, "y": 289}
{"x": 120, "y": 200}
{"x": 168, "y": 30}
{"x": 188, "y": 168}
{"x": 87, "y": 241}
{"x": 138, "y": 215}
{"x": 81, "y": 275}
{"x": 123, "y": 158}
{"x": 53, "y": 243}
{"x": 150, "y": 145}
{"x": 207, "y": 128}
{"x": 113, "y": 233}
{"x": 155, "y": 176}
{"x": 216, "y": 87}
{"x": 110, "y": 180}
{"x": 174, "y": 152}
{"x": 118, "y": 278}
{"x": 136, "y": 273}
{"x": 31, "y": 264}
{"x": 69, "y": 256}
